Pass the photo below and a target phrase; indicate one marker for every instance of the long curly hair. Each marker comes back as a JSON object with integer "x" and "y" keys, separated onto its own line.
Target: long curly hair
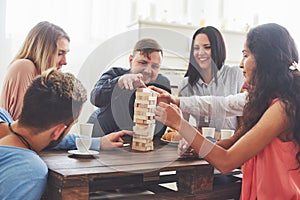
{"x": 274, "y": 51}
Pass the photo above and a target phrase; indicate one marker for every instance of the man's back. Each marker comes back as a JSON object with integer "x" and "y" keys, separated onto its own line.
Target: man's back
{"x": 23, "y": 174}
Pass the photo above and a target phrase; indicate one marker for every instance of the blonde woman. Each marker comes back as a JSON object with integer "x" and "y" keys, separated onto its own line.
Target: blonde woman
{"x": 45, "y": 46}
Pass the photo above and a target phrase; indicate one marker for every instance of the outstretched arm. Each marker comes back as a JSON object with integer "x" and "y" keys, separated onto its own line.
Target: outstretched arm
{"x": 231, "y": 105}
{"x": 245, "y": 148}
{"x": 103, "y": 90}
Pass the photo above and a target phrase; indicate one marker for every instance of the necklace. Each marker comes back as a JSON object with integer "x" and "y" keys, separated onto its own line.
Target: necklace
{"x": 23, "y": 140}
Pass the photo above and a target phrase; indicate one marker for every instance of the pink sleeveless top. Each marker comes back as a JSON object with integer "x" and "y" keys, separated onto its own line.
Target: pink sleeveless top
{"x": 272, "y": 173}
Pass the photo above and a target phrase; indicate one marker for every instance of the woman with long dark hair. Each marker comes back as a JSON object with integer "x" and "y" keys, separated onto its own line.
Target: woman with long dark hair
{"x": 269, "y": 149}
{"x": 207, "y": 75}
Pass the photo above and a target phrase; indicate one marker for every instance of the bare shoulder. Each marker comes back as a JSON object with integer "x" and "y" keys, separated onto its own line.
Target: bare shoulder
{"x": 275, "y": 118}
{"x": 277, "y": 106}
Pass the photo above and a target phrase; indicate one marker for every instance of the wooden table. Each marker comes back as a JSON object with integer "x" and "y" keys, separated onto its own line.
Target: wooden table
{"x": 123, "y": 169}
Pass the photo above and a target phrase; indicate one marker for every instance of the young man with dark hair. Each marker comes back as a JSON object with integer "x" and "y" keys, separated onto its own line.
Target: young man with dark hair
{"x": 52, "y": 105}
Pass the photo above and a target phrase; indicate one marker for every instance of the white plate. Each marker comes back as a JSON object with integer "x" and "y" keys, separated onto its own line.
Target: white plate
{"x": 170, "y": 142}
{"x": 88, "y": 153}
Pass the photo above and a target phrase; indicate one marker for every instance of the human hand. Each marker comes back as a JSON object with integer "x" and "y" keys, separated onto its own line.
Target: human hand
{"x": 184, "y": 149}
{"x": 113, "y": 140}
{"x": 245, "y": 87}
{"x": 169, "y": 114}
{"x": 131, "y": 81}
{"x": 165, "y": 96}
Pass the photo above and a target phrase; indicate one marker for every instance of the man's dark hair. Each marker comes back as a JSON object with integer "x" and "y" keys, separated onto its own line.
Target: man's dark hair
{"x": 146, "y": 46}
{"x": 52, "y": 98}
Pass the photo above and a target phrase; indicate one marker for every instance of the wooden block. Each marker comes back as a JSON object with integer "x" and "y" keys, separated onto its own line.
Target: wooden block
{"x": 140, "y": 121}
{"x": 147, "y": 102}
{"x": 139, "y": 105}
{"x": 144, "y": 109}
{"x": 141, "y": 139}
{"x": 143, "y": 94}
{"x": 142, "y": 146}
{"x": 142, "y": 97}
{"x": 145, "y": 137}
{"x": 146, "y": 91}
{"x": 144, "y": 130}
{"x": 143, "y": 90}
{"x": 142, "y": 113}
{"x": 142, "y": 117}
{"x": 143, "y": 125}
{"x": 146, "y": 98}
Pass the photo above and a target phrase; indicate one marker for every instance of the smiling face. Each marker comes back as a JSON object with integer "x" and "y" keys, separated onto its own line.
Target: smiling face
{"x": 148, "y": 67}
{"x": 202, "y": 51}
{"x": 248, "y": 64}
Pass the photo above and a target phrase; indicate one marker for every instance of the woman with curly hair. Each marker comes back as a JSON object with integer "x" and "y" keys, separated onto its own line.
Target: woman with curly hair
{"x": 269, "y": 148}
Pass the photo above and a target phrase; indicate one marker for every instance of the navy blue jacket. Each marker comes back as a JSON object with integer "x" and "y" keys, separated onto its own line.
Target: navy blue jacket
{"x": 115, "y": 105}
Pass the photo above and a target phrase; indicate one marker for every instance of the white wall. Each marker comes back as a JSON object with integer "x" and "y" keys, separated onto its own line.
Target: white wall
{"x": 91, "y": 23}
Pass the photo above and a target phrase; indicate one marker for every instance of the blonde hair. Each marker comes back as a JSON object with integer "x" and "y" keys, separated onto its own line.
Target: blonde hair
{"x": 40, "y": 45}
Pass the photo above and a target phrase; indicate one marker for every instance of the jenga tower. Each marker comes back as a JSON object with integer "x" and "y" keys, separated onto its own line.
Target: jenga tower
{"x": 144, "y": 112}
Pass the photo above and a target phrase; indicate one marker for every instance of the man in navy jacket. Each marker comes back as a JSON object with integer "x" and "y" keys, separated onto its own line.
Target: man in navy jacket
{"x": 114, "y": 92}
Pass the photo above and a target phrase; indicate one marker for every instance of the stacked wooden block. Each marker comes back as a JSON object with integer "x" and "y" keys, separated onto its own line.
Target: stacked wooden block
{"x": 144, "y": 112}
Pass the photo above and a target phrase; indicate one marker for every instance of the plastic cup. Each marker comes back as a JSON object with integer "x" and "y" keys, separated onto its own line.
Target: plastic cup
{"x": 226, "y": 133}
{"x": 208, "y": 132}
